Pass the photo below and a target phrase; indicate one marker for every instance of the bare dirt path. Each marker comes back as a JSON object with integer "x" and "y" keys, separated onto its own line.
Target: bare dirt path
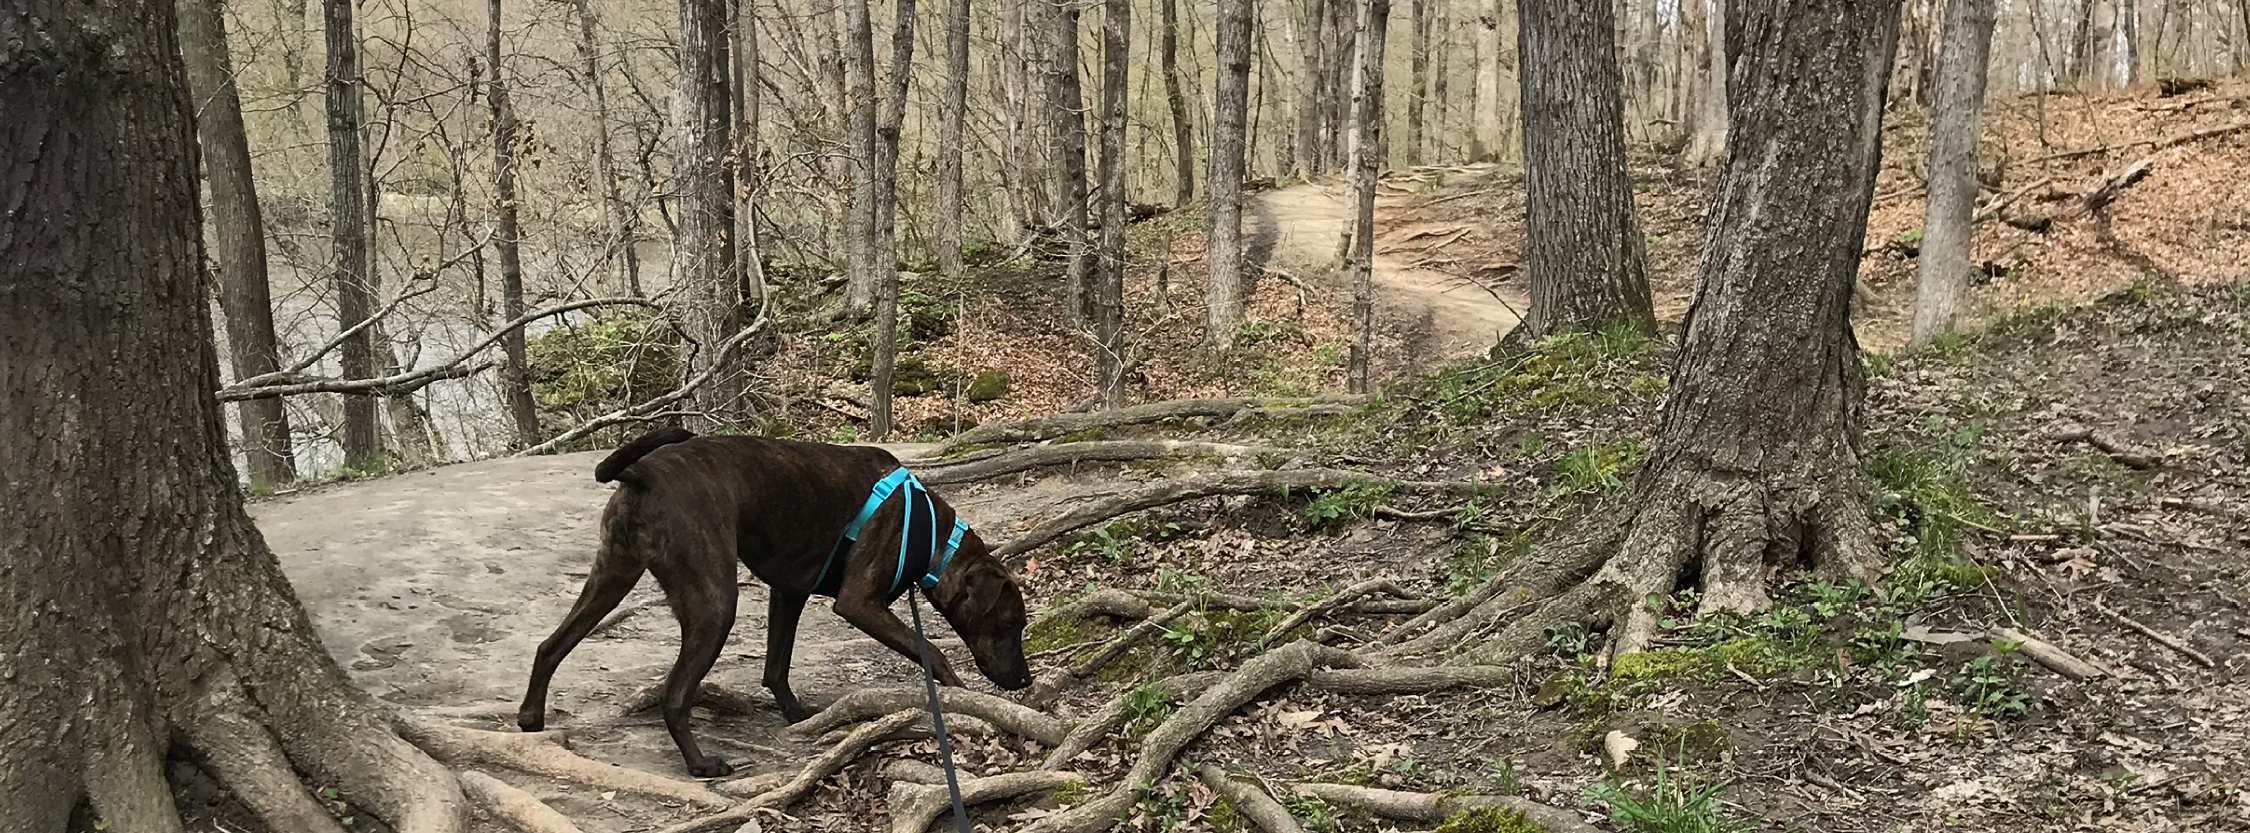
{"x": 1296, "y": 229}
{"x": 434, "y": 587}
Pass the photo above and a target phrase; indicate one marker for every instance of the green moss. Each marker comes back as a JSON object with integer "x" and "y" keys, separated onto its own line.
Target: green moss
{"x": 1758, "y": 656}
{"x": 988, "y": 386}
{"x": 602, "y": 364}
{"x": 1055, "y": 632}
{"x": 1223, "y": 818}
{"x": 1488, "y": 820}
{"x": 1069, "y": 793}
{"x": 1704, "y": 741}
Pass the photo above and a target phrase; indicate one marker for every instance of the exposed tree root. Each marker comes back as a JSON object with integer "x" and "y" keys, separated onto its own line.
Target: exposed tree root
{"x": 829, "y": 763}
{"x": 1250, "y": 801}
{"x": 915, "y": 806}
{"x": 1047, "y": 689}
{"x": 1050, "y": 427}
{"x": 1431, "y": 808}
{"x": 1401, "y": 679}
{"x": 711, "y": 696}
{"x": 1104, "y": 602}
{"x": 875, "y": 702}
{"x": 1206, "y": 485}
{"x": 1067, "y": 454}
{"x": 2046, "y": 654}
{"x": 622, "y": 614}
{"x": 513, "y": 807}
{"x": 913, "y": 771}
{"x": 1280, "y": 665}
{"x": 959, "y": 725}
{"x": 1446, "y": 612}
{"x": 1344, "y": 597}
{"x": 245, "y": 756}
{"x": 1111, "y": 717}
{"x": 1248, "y": 604}
{"x": 539, "y": 754}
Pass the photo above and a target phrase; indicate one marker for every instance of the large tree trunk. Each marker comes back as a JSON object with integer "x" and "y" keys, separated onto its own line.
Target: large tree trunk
{"x": 1487, "y": 127}
{"x": 885, "y": 360}
{"x": 1584, "y": 252}
{"x": 145, "y": 614}
{"x": 859, "y": 91}
{"x": 1367, "y": 131}
{"x": 1707, "y": 140}
{"x": 1335, "y": 101}
{"x": 617, "y": 222}
{"x": 710, "y": 306}
{"x": 238, "y": 232}
{"x": 515, "y": 378}
{"x": 953, "y": 114}
{"x": 1183, "y": 133}
{"x": 1066, "y": 113}
{"x": 1418, "y": 83}
{"x": 1223, "y": 290}
{"x": 1441, "y": 26}
{"x": 749, "y": 262}
{"x": 1109, "y": 290}
{"x": 1755, "y": 470}
{"x": 348, "y": 230}
{"x": 1947, "y": 219}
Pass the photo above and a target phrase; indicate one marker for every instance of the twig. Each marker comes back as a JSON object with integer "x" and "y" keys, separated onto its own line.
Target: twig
{"x": 2161, "y": 638}
{"x": 2046, "y": 654}
{"x": 295, "y": 384}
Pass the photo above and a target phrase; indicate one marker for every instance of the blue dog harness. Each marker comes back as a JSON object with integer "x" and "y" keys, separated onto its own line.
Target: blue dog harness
{"x": 919, "y": 550}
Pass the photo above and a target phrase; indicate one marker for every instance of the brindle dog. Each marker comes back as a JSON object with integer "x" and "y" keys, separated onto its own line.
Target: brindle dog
{"x": 690, "y": 506}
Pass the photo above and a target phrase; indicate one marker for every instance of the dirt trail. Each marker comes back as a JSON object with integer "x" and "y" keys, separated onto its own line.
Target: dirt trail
{"x": 1296, "y": 229}
{"x": 434, "y": 587}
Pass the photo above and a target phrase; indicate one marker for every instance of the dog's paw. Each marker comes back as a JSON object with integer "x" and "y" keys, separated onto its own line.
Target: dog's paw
{"x": 710, "y": 768}
{"x": 531, "y": 721}
{"x": 796, "y": 714}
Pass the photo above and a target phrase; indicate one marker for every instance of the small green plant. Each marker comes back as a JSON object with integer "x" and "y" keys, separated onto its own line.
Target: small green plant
{"x": 1190, "y": 644}
{"x": 1352, "y": 502}
{"x": 1914, "y": 708}
{"x": 844, "y": 435}
{"x": 1326, "y": 355}
{"x": 1182, "y": 582}
{"x": 1885, "y": 646}
{"x": 1314, "y": 814}
{"x": 1831, "y": 600}
{"x": 1596, "y": 468}
{"x": 1487, "y": 820}
{"x": 1988, "y": 686}
{"x": 1504, "y": 772}
{"x": 1570, "y": 640}
{"x": 1105, "y": 542}
{"x": 1671, "y": 804}
{"x": 1147, "y": 706}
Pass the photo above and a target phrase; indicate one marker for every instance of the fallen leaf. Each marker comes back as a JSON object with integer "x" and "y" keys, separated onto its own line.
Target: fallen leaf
{"x": 1619, "y": 746}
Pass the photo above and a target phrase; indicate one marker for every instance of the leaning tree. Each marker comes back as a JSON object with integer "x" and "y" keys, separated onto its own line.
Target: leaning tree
{"x": 1756, "y": 467}
{"x": 144, "y": 613}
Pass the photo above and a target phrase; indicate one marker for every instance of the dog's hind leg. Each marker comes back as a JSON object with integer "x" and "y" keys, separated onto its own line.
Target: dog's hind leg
{"x": 704, "y": 604}
{"x": 613, "y": 576}
{"x": 783, "y": 609}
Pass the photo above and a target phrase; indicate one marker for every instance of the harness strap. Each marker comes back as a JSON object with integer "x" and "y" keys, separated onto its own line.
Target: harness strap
{"x": 900, "y": 481}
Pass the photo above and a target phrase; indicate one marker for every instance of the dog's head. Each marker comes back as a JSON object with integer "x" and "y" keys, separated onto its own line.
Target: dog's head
{"x": 985, "y": 606}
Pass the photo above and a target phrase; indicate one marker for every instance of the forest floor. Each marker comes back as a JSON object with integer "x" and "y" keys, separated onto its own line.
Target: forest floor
{"x": 2076, "y": 470}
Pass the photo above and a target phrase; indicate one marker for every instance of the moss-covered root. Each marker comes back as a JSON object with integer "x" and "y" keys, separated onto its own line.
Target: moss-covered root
{"x": 1250, "y": 800}
{"x": 1432, "y": 808}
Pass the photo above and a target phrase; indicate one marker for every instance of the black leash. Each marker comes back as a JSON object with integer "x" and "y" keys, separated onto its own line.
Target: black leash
{"x": 937, "y": 715}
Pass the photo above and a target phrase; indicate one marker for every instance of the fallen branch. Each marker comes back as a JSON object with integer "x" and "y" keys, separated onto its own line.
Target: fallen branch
{"x": 1431, "y": 808}
{"x": 2111, "y": 186}
{"x": 915, "y": 806}
{"x": 874, "y": 702}
{"x": 271, "y": 385}
{"x": 1206, "y": 485}
{"x": 633, "y": 413}
{"x": 313, "y": 358}
{"x": 1250, "y": 801}
{"x": 513, "y": 807}
{"x": 829, "y": 763}
{"x": 2161, "y": 638}
{"x": 1320, "y": 608}
{"x": 538, "y": 753}
{"x": 2053, "y": 658}
{"x": 1050, "y": 427}
{"x": 2110, "y": 445}
{"x": 2154, "y": 144}
{"x": 1287, "y": 663}
{"x": 1070, "y": 454}
{"x": 2206, "y": 507}
{"x": 1993, "y": 208}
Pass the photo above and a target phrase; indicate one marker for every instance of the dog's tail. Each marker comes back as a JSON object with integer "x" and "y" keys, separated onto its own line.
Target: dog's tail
{"x": 613, "y": 467}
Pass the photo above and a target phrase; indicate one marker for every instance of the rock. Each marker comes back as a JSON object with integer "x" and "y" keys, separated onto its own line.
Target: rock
{"x": 988, "y": 386}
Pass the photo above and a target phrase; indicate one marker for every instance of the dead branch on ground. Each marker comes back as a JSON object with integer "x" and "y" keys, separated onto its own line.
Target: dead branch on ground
{"x": 2161, "y": 638}
{"x": 2154, "y": 144}
{"x": 1049, "y": 427}
{"x": 1207, "y": 485}
{"x": 2046, "y": 654}
{"x": 1323, "y": 607}
{"x": 942, "y": 472}
{"x": 2112, "y": 446}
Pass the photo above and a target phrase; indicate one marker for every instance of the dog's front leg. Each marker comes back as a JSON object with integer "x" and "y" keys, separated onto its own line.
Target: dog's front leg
{"x": 876, "y": 619}
{"x": 783, "y": 608}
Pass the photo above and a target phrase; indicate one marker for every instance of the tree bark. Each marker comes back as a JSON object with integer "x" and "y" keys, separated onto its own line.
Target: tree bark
{"x": 859, "y": 91}
{"x": 1223, "y": 289}
{"x": 1312, "y": 42}
{"x": 748, "y": 168}
{"x": 348, "y": 230}
{"x": 885, "y": 263}
{"x": 1488, "y": 125}
{"x": 1021, "y": 25}
{"x": 1367, "y": 131}
{"x": 953, "y": 114}
{"x": 1335, "y": 101}
{"x": 1441, "y": 96}
{"x": 1109, "y": 292}
{"x": 1948, "y": 217}
{"x": 1755, "y": 470}
{"x": 1707, "y": 141}
{"x": 515, "y": 379}
{"x": 145, "y": 613}
{"x": 710, "y": 306}
{"x": 238, "y": 232}
{"x": 617, "y": 220}
{"x": 1584, "y": 250}
{"x": 1066, "y": 127}
{"x": 1418, "y": 83}
{"x": 1183, "y": 133}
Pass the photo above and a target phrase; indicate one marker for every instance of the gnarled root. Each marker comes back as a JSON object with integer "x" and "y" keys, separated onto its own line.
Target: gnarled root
{"x": 1431, "y": 808}
{"x": 1050, "y": 427}
{"x": 1205, "y": 485}
{"x": 1106, "y": 722}
{"x": 915, "y": 806}
{"x": 1342, "y": 598}
{"x": 875, "y": 702}
{"x": 513, "y": 807}
{"x": 711, "y": 696}
{"x": 539, "y": 754}
{"x": 829, "y": 763}
{"x": 1048, "y": 689}
{"x": 1250, "y": 801}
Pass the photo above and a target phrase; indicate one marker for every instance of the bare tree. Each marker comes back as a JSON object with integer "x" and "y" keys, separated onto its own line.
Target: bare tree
{"x": 885, "y": 263}
{"x": 1755, "y": 471}
{"x": 238, "y": 230}
{"x": 146, "y": 615}
{"x": 859, "y": 108}
{"x": 1584, "y": 251}
{"x": 1066, "y": 113}
{"x": 515, "y": 377}
{"x": 1223, "y": 289}
{"x": 1707, "y": 140}
{"x": 1948, "y": 217}
{"x": 348, "y": 228}
{"x": 953, "y": 114}
{"x": 710, "y": 306}
{"x": 1418, "y": 84}
{"x": 748, "y": 169}
{"x": 1367, "y": 127}
{"x": 1312, "y": 42}
{"x": 1183, "y": 133}
{"x": 1109, "y": 289}
{"x": 1022, "y": 31}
